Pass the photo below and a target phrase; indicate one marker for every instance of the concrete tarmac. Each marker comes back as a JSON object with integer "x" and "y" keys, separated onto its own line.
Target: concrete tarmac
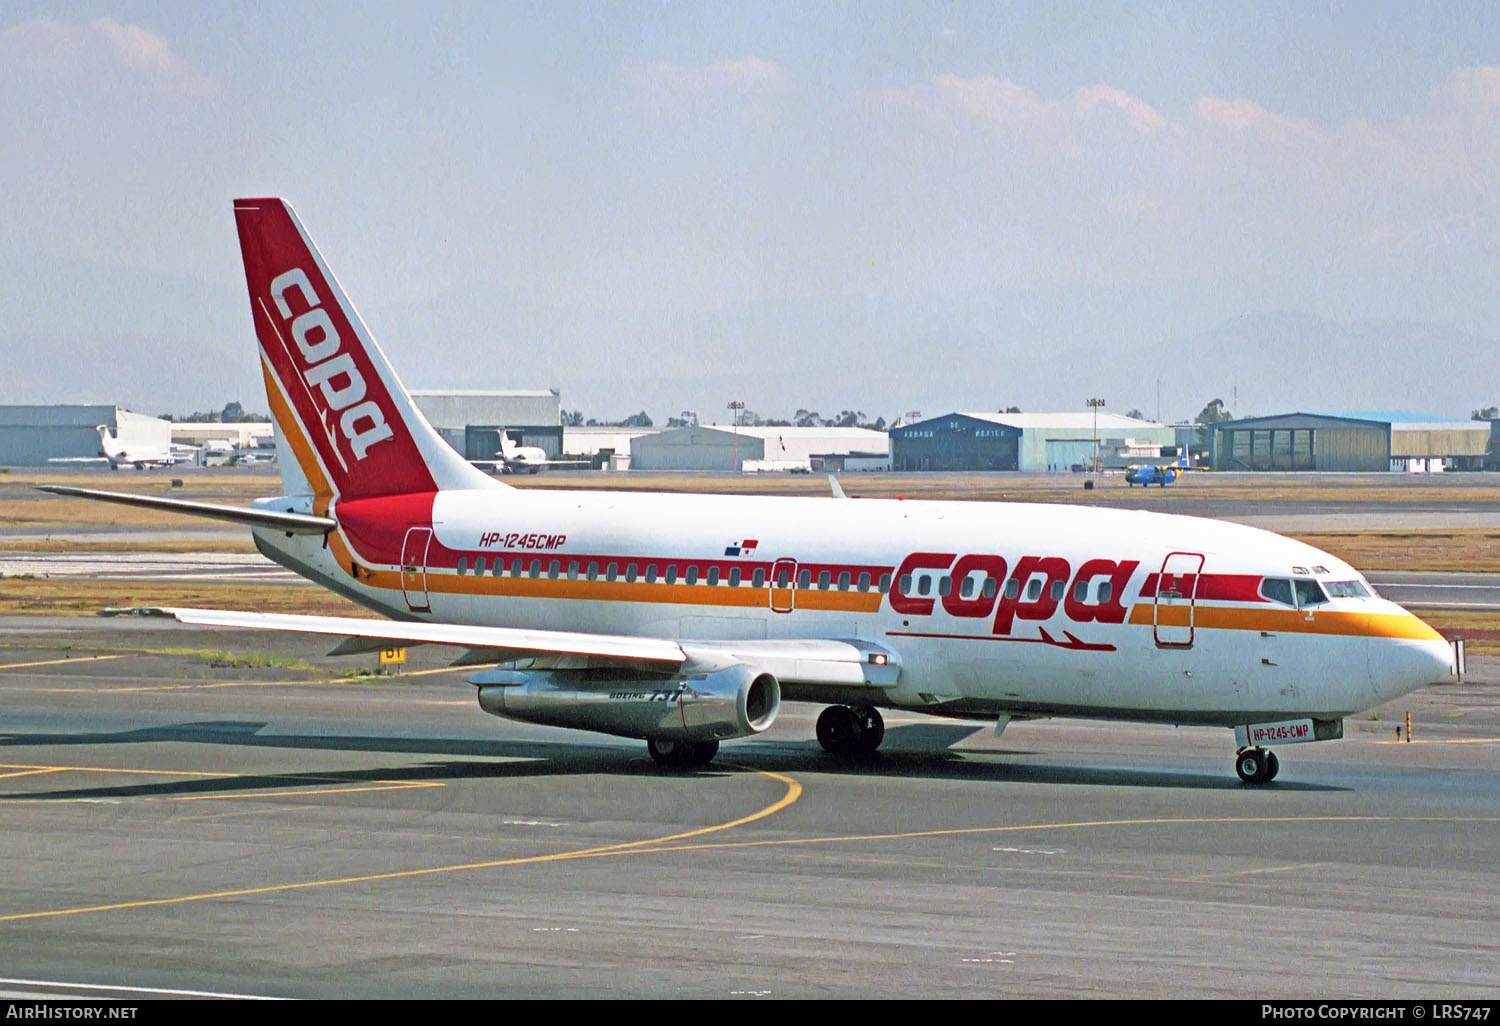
{"x": 197, "y": 811}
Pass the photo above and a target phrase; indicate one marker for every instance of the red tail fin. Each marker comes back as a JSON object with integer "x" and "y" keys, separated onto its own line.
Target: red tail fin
{"x": 340, "y": 407}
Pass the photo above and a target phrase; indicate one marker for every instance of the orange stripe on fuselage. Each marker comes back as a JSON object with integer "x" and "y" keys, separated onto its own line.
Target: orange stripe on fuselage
{"x": 1287, "y": 621}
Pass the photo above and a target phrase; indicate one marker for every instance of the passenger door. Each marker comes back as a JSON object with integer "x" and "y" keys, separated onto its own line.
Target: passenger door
{"x": 1176, "y": 595}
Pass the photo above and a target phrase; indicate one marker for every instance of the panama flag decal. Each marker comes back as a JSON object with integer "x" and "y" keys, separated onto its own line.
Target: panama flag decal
{"x": 743, "y": 548}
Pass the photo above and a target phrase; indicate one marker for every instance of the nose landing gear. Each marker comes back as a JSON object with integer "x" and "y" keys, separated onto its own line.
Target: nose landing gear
{"x": 1256, "y": 765}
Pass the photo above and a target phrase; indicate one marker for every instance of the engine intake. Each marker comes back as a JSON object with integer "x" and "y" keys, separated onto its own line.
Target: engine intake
{"x": 733, "y": 702}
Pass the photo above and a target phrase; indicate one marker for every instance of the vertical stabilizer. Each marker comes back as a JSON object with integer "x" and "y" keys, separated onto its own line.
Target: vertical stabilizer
{"x": 339, "y": 406}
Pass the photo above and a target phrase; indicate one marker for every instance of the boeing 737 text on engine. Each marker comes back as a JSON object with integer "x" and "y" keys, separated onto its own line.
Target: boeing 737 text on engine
{"x": 628, "y": 614}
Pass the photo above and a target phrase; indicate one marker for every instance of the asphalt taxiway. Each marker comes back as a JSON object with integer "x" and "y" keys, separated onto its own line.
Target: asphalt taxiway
{"x": 208, "y": 812}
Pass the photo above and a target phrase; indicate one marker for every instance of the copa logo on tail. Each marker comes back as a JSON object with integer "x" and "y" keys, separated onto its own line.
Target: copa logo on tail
{"x": 332, "y": 371}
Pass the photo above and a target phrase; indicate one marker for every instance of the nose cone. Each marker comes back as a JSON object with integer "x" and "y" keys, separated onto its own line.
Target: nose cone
{"x": 1401, "y": 664}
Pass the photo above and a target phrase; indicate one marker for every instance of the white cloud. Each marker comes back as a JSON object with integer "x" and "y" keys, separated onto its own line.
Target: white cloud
{"x": 101, "y": 50}
{"x": 1247, "y": 116}
{"x": 984, "y": 99}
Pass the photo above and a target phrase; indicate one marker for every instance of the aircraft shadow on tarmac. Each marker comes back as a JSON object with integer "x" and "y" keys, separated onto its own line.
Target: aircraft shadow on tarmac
{"x": 932, "y": 760}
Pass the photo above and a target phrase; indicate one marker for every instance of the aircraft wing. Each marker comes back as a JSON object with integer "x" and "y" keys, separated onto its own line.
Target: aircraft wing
{"x": 800, "y": 661}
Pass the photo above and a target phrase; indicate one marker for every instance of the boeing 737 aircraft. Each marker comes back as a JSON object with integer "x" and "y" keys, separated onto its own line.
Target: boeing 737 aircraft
{"x": 686, "y": 620}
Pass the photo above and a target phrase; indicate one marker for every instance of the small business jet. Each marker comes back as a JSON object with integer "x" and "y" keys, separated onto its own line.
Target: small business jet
{"x": 1147, "y": 474}
{"x": 685, "y": 620}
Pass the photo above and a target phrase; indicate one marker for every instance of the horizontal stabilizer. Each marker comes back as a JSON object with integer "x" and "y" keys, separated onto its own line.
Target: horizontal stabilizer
{"x": 293, "y": 523}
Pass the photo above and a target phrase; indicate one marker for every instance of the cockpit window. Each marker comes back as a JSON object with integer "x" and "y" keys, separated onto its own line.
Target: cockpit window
{"x": 1278, "y": 589}
{"x": 1309, "y": 593}
{"x": 1345, "y": 589}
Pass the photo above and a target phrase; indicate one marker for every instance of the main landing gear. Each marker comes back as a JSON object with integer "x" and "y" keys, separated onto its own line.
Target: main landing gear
{"x": 682, "y": 754}
{"x": 1256, "y": 765}
{"x": 845, "y": 730}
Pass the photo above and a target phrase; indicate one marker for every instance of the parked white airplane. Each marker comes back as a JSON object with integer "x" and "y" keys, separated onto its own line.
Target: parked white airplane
{"x": 689, "y": 618}
{"x": 518, "y": 459}
{"x": 140, "y": 457}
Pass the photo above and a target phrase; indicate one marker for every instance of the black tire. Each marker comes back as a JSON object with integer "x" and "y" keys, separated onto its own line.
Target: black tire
{"x": 871, "y": 730}
{"x": 1251, "y": 766}
{"x": 678, "y": 754}
{"x": 1273, "y": 766}
{"x": 839, "y": 730}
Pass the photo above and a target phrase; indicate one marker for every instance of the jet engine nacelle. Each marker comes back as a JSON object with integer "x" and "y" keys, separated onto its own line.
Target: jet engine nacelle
{"x": 734, "y": 702}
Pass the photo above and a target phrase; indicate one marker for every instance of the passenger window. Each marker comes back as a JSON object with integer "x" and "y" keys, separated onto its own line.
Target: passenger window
{"x": 593, "y": 570}
{"x": 671, "y": 573}
{"x": 991, "y": 586}
{"x": 966, "y": 589}
{"x": 536, "y": 568}
{"x": 611, "y": 571}
{"x": 553, "y": 569}
{"x": 804, "y": 579}
{"x": 945, "y": 585}
{"x": 1277, "y": 589}
{"x": 758, "y": 578}
{"x": 515, "y": 568}
{"x": 573, "y": 570}
{"x": 844, "y": 581}
{"x": 692, "y": 575}
{"x": 1080, "y": 591}
{"x": 479, "y": 566}
{"x": 823, "y": 579}
{"x": 864, "y": 582}
{"x": 734, "y": 577}
{"x": 463, "y": 565}
{"x": 629, "y": 573}
{"x": 1012, "y": 588}
{"x": 713, "y": 575}
{"x": 1105, "y": 591}
{"x": 1309, "y": 594}
{"x": 499, "y": 566}
{"x": 924, "y": 584}
{"x": 885, "y": 583}
{"x": 1058, "y": 588}
{"x": 650, "y": 573}
{"x": 1034, "y": 589}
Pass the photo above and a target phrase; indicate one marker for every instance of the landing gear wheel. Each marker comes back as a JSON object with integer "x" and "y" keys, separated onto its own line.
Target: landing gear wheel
{"x": 1256, "y": 765}
{"x": 872, "y": 730}
{"x": 845, "y": 731}
{"x": 680, "y": 754}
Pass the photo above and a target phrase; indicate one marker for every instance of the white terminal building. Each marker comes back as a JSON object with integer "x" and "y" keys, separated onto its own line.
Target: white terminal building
{"x": 471, "y": 420}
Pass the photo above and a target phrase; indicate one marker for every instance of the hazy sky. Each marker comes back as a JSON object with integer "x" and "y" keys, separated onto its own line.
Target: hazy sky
{"x": 886, "y": 205}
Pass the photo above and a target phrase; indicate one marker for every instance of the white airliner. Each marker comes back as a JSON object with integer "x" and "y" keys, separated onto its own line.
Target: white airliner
{"x": 519, "y": 459}
{"x": 684, "y": 620}
{"x": 117, "y": 454}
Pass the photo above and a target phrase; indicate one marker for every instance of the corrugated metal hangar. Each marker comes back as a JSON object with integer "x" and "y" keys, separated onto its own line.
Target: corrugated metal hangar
{"x": 471, "y": 420}
{"x": 1021, "y": 441}
{"x": 32, "y": 435}
{"x": 705, "y": 447}
{"x": 1382, "y": 441}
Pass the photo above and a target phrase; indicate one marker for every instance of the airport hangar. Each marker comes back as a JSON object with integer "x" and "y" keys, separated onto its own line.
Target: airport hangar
{"x": 722, "y": 447}
{"x": 471, "y": 420}
{"x": 30, "y": 436}
{"x": 1374, "y": 441}
{"x": 1025, "y": 441}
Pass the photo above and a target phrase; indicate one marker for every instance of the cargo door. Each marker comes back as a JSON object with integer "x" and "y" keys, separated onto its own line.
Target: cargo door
{"x": 414, "y": 568}
{"x": 1176, "y": 595}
